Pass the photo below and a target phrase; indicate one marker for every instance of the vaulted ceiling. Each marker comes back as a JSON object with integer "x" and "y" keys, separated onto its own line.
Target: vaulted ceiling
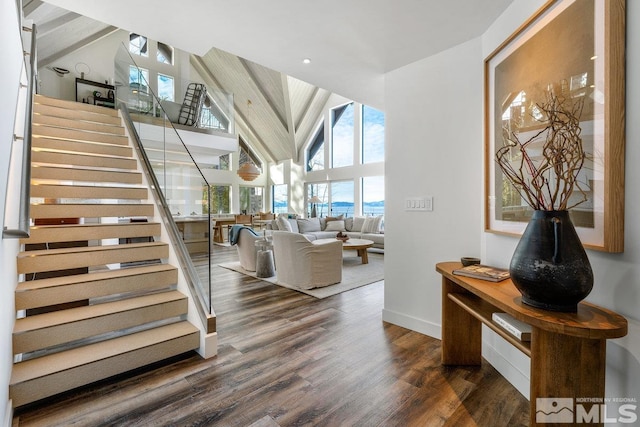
{"x": 238, "y": 46}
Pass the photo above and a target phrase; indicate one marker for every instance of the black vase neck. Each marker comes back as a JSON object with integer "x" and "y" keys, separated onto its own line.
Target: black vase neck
{"x": 539, "y": 214}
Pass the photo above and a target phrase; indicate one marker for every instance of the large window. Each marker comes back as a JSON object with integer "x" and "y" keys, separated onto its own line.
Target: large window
{"x": 342, "y": 136}
{"x": 222, "y": 162}
{"x": 250, "y": 199}
{"x": 247, "y": 155}
{"x": 280, "y": 202}
{"x": 138, "y": 79}
{"x": 321, "y": 192}
{"x": 315, "y": 153}
{"x": 138, "y": 45}
{"x": 342, "y": 198}
{"x": 372, "y": 135}
{"x": 164, "y": 54}
{"x": 165, "y": 87}
{"x": 373, "y": 195}
{"x": 220, "y": 199}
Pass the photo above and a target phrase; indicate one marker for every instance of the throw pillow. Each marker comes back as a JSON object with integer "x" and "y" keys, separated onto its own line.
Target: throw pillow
{"x": 372, "y": 224}
{"x": 358, "y": 221}
{"x": 284, "y": 224}
{"x": 348, "y": 223}
{"x": 335, "y": 218}
{"x": 308, "y": 225}
{"x": 335, "y": 226}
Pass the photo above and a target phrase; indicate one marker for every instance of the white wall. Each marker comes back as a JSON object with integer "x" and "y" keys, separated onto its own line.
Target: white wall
{"x": 435, "y": 147}
{"x": 9, "y": 82}
{"x": 97, "y": 62}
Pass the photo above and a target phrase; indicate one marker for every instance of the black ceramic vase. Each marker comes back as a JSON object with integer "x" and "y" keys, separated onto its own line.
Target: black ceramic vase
{"x": 550, "y": 267}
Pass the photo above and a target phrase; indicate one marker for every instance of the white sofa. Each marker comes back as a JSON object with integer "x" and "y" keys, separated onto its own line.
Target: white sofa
{"x": 304, "y": 264}
{"x": 326, "y": 228}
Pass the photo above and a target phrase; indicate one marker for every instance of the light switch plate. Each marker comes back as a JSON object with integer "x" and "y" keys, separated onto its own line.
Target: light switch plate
{"x": 420, "y": 204}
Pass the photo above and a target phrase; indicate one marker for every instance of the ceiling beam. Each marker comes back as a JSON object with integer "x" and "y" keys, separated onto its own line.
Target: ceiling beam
{"x": 320, "y": 97}
{"x": 47, "y": 27}
{"x": 290, "y": 125}
{"x": 239, "y": 119}
{"x": 254, "y": 137}
{"x": 263, "y": 92}
{"x": 31, "y": 7}
{"x": 82, "y": 43}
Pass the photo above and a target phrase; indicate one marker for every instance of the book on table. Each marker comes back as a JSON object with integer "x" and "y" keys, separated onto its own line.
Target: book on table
{"x": 484, "y": 272}
{"x": 515, "y": 327}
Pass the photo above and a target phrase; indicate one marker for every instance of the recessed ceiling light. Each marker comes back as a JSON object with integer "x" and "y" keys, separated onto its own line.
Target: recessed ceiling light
{"x": 306, "y": 61}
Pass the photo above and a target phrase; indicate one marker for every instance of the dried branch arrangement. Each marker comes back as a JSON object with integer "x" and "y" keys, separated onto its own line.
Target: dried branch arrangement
{"x": 547, "y": 178}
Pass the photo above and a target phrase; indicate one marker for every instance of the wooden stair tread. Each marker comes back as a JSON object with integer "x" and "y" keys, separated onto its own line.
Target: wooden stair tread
{"x": 131, "y": 280}
{"x": 81, "y": 146}
{"x": 61, "y": 191}
{"x": 81, "y": 174}
{"x": 82, "y": 115}
{"x": 76, "y": 232}
{"x": 73, "y": 105}
{"x": 83, "y": 159}
{"x": 78, "y": 135}
{"x": 77, "y": 314}
{"x": 91, "y": 210}
{"x": 33, "y": 285}
{"x": 66, "y": 360}
{"x": 51, "y": 252}
{"x": 76, "y": 124}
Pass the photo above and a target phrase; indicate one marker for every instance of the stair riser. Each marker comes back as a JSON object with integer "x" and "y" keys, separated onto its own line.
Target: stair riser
{"x": 61, "y": 334}
{"x": 88, "y": 258}
{"x": 72, "y": 233}
{"x": 82, "y": 147}
{"x": 88, "y": 192}
{"x": 71, "y": 105}
{"x": 69, "y": 174}
{"x": 39, "y": 388}
{"x": 87, "y": 116}
{"x": 78, "y": 135}
{"x": 89, "y": 211}
{"x": 65, "y": 123}
{"x": 94, "y": 289}
{"x": 38, "y": 156}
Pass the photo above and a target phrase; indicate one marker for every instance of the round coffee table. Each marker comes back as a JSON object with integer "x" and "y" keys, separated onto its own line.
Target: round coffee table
{"x": 360, "y": 245}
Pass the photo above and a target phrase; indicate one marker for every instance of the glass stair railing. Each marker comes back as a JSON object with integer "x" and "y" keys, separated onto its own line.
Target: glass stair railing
{"x": 183, "y": 191}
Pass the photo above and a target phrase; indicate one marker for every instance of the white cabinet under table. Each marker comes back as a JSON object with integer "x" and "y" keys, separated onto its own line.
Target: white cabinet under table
{"x": 567, "y": 350}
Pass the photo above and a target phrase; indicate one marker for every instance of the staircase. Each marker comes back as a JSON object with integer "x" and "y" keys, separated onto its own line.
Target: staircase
{"x": 98, "y": 299}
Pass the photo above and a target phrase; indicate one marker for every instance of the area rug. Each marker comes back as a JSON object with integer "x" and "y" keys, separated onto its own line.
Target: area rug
{"x": 354, "y": 275}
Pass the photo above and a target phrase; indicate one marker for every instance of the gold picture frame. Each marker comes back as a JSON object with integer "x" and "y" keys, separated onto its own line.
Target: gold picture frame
{"x": 577, "y": 46}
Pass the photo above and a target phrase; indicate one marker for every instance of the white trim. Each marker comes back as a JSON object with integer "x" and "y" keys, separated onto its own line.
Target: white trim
{"x": 413, "y": 323}
{"x": 8, "y": 414}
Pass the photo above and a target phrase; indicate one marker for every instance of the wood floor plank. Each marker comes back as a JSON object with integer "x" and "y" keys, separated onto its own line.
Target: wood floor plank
{"x": 285, "y": 358}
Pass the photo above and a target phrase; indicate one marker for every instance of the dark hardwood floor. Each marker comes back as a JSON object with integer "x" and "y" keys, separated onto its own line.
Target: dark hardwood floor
{"x": 285, "y": 359}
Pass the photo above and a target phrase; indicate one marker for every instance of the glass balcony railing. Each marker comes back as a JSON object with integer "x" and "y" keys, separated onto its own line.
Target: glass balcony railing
{"x": 183, "y": 190}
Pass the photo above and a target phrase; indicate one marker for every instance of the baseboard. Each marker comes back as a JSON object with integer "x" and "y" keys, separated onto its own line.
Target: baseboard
{"x": 413, "y": 323}
{"x": 8, "y": 414}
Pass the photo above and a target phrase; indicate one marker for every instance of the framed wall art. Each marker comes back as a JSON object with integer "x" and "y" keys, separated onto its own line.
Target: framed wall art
{"x": 573, "y": 49}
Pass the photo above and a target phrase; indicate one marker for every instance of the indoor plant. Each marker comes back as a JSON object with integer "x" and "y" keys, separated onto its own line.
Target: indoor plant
{"x": 549, "y": 266}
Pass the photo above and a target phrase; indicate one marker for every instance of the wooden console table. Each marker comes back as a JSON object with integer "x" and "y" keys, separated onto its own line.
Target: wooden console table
{"x": 567, "y": 350}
